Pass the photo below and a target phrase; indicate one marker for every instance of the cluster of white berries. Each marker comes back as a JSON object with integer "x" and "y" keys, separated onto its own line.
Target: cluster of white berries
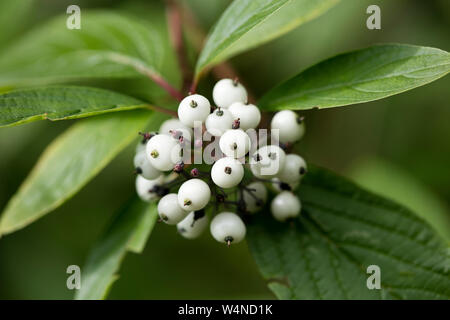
{"x": 161, "y": 165}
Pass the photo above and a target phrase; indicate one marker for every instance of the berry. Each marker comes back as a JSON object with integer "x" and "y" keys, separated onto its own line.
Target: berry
{"x": 228, "y": 227}
{"x": 193, "y": 108}
{"x": 193, "y": 225}
{"x": 145, "y": 188}
{"x": 267, "y": 161}
{"x": 163, "y": 152}
{"x": 169, "y": 211}
{"x": 227, "y": 172}
{"x": 227, "y": 91}
{"x": 255, "y": 195}
{"x": 218, "y": 122}
{"x": 248, "y": 114}
{"x": 194, "y": 195}
{"x": 293, "y": 170}
{"x": 235, "y": 143}
{"x": 143, "y": 166}
{"x": 285, "y": 206}
{"x": 172, "y": 125}
{"x": 291, "y": 127}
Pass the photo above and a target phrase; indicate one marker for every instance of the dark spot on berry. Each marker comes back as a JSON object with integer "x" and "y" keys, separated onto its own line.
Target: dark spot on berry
{"x": 181, "y": 230}
{"x": 285, "y": 186}
{"x": 302, "y": 170}
{"x": 272, "y": 155}
{"x": 193, "y": 104}
{"x": 219, "y": 112}
{"x": 300, "y": 119}
{"x": 234, "y": 146}
{"x": 138, "y": 170}
{"x": 257, "y": 157}
{"x": 227, "y": 170}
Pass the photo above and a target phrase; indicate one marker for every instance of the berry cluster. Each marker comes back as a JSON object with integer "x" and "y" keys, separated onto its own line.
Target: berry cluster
{"x": 242, "y": 166}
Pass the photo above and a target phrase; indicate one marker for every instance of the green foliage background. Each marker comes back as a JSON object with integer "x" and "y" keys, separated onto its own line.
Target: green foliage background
{"x": 408, "y": 134}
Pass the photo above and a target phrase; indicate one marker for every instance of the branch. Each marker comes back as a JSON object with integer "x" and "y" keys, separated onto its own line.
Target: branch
{"x": 174, "y": 18}
{"x": 197, "y": 36}
{"x": 152, "y": 74}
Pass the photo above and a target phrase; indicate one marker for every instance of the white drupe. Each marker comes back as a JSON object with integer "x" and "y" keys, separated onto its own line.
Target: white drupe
{"x": 235, "y": 143}
{"x": 248, "y": 114}
{"x": 285, "y": 206}
{"x": 291, "y": 127}
{"x": 294, "y": 169}
{"x": 144, "y": 187}
{"x": 192, "y": 109}
{"x": 143, "y": 166}
{"x": 163, "y": 152}
{"x": 267, "y": 161}
{"x": 218, "y": 122}
{"x": 193, "y": 225}
{"x": 168, "y": 209}
{"x": 228, "y": 91}
{"x": 228, "y": 227}
{"x": 255, "y": 195}
{"x": 227, "y": 172}
{"x": 193, "y": 195}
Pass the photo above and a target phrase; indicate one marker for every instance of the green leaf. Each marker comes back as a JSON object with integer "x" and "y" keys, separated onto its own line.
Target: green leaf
{"x": 13, "y": 16}
{"x": 324, "y": 254}
{"x": 249, "y": 23}
{"x": 104, "y": 260}
{"x": 69, "y": 163}
{"x": 393, "y": 182}
{"x": 359, "y": 76}
{"x": 61, "y": 103}
{"x": 107, "y": 45}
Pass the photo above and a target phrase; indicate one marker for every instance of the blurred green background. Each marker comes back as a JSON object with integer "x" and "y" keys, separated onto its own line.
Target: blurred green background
{"x": 399, "y": 147}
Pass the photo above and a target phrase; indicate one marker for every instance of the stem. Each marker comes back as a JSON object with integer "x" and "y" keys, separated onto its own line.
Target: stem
{"x": 145, "y": 70}
{"x": 176, "y": 35}
{"x": 197, "y": 36}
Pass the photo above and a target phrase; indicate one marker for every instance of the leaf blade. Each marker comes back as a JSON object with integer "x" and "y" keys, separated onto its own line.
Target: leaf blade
{"x": 61, "y": 103}
{"x": 343, "y": 230}
{"x": 69, "y": 163}
{"x": 247, "y": 24}
{"x": 109, "y": 45}
{"x": 103, "y": 262}
{"x": 359, "y": 76}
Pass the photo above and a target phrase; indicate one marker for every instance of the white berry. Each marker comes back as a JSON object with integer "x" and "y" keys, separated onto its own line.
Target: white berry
{"x": 193, "y": 225}
{"x": 294, "y": 169}
{"x": 248, "y": 114}
{"x": 227, "y": 172}
{"x": 168, "y": 209}
{"x": 143, "y": 166}
{"x": 227, "y": 91}
{"x": 228, "y": 227}
{"x": 193, "y": 108}
{"x": 172, "y": 125}
{"x": 235, "y": 143}
{"x": 218, "y": 122}
{"x": 255, "y": 195}
{"x": 291, "y": 127}
{"x": 268, "y": 161}
{"x": 163, "y": 152}
{"x": 144, "y": 187}
{"x": 194, "y": 195}
{"x": 285, "y": 206}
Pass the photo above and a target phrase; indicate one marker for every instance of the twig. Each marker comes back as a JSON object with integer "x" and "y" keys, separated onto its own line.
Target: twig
{"x": 198, "y": 35}
{"x": 145, "y": 70}
{"x": 174, "y": 19}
